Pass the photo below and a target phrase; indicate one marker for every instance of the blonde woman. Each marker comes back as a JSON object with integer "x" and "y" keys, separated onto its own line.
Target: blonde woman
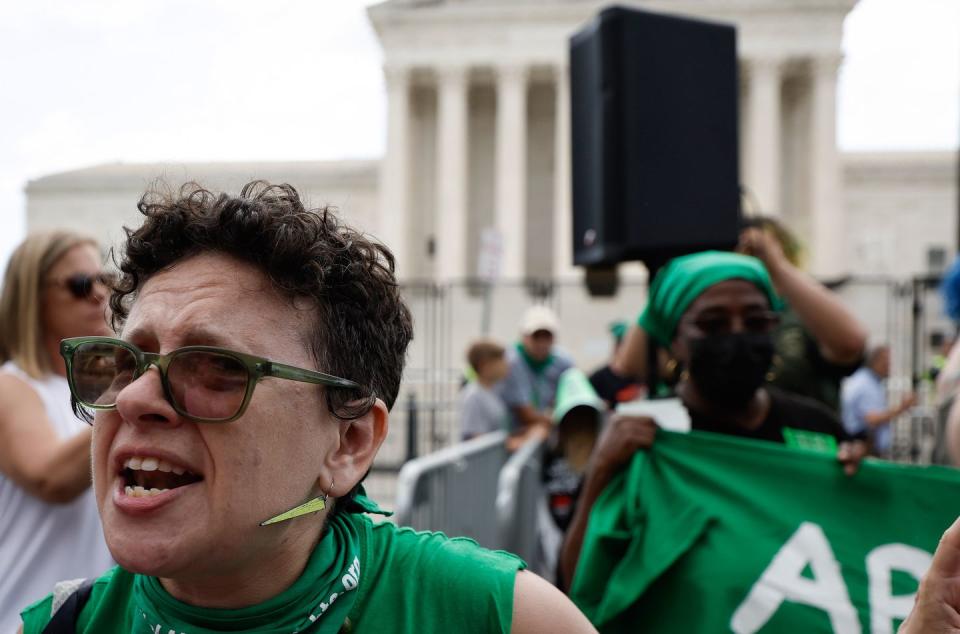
{"x": 49, "y": 526}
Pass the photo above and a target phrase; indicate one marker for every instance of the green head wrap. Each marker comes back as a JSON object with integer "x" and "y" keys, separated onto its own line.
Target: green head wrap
{"x": 683, "y": 279}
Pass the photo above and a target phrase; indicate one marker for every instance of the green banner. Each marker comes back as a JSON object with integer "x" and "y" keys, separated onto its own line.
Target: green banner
{"x": 709, "y": 533}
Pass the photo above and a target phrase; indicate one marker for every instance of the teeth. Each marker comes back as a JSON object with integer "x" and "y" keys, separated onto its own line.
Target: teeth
{"x": 140, "y": 492}
{"x": 139, "y": 463}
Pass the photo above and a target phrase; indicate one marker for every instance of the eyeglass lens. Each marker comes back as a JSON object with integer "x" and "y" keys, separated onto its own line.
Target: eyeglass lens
{"x": 100, "y": 370}
{"x": 81, "y": 284}
{"x": 206, "y": 385}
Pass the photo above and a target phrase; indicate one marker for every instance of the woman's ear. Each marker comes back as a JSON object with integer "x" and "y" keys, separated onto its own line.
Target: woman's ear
{"x": 359, "y": 442}
{"x": 679, "y": 352}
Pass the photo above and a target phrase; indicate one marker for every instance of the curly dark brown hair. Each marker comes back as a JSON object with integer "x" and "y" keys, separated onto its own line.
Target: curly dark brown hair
{"x": 362, "y": 325}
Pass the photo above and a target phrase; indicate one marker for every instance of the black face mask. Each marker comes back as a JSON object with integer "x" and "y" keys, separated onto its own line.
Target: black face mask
{"x": 728, "y": 369}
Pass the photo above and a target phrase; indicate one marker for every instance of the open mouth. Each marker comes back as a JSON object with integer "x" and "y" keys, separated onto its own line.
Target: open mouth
{"x": 147, "y": 476}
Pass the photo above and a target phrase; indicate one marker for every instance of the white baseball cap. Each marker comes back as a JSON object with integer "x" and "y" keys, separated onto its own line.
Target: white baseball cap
{"x": 539, "y": 318}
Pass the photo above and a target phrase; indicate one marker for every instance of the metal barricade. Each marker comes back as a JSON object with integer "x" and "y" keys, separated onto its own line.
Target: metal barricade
{"x": 519, "y": 495}
{"x": 454, "y": 490}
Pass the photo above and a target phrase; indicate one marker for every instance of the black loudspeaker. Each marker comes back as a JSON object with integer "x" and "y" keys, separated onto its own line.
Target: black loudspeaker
{"x": 655, "y": 156}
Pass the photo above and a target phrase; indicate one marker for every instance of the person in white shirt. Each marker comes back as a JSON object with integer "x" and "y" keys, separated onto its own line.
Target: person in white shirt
{"x": 49, "y": 526}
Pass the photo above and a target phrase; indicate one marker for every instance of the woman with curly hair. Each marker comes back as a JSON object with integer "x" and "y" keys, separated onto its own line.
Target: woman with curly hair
{"x": 260, "y": 350}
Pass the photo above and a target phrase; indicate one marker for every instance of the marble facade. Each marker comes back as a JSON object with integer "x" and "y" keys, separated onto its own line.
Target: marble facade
{"x": 457, "y": 71}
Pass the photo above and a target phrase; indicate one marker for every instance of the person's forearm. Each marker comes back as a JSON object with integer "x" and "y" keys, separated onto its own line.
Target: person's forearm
{"x": 876, "y": 419}
{"x": 53, "y": 470}
{"x": 530, "y": 417}
{"x": 631, "y": 357}
{"x": 67, "y": 471}
{"x": 593, "y": 486}
{"x": 840, "y": 335}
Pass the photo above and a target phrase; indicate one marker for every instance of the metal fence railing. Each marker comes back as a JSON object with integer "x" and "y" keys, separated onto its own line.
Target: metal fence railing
{"x": 474, "y": 489}
{"x": 905, "y": 313}
{"x": 454, "y": 490}
{"x": 520, "y": 493}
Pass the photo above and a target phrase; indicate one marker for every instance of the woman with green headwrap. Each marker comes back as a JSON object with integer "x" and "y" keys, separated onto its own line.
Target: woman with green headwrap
{"x": 715, "y": 312}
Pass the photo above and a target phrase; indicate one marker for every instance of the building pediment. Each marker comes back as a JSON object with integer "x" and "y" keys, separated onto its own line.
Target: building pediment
{"x": 482, "y": 32}
{"x": 709, "y": 6}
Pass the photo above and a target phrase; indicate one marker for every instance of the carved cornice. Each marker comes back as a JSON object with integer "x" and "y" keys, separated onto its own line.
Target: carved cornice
{"x": 754, "y": 5}
{"x": 920, "y": 169}
{"x": 483, "y": 31}
{"x": 112, "y": 177}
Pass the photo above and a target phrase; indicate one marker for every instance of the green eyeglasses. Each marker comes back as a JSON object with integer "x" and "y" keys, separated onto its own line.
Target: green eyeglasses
{"x": 202, "y": 383}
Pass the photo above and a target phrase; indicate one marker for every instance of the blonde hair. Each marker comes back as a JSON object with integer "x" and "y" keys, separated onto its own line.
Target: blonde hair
{"x": 21, "y": 329}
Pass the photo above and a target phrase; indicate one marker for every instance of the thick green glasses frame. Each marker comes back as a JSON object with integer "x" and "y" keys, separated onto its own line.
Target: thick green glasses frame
{"x": 257, "y": 368}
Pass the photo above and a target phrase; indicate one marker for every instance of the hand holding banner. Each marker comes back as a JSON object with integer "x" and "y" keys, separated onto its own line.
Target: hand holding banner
{"x": 709, "y": 533}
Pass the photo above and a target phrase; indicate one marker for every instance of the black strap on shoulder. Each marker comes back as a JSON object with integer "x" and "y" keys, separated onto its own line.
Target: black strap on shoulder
{"x": 64, "y": 621}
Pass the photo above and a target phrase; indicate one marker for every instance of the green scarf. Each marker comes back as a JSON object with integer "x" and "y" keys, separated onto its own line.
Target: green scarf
{"x": 537, "y": 366}
{"x": 318, "y": 602}
{"x": 685, "y": 278}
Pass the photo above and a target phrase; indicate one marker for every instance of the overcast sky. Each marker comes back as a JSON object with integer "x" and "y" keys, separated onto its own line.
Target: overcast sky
{"x": 97, "y": 81}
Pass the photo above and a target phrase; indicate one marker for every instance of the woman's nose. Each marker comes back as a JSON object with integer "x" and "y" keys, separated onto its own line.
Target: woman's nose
{"x": 145, "y": 402}
{"x": 737, "y": 324}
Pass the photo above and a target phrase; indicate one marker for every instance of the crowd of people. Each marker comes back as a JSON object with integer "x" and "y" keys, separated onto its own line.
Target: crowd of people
{"x": 238, "y": 372}
{"x": 749, "y": 344}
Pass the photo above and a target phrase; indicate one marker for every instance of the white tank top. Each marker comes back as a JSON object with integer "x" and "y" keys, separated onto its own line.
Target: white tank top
{"x": 42, "y": 543}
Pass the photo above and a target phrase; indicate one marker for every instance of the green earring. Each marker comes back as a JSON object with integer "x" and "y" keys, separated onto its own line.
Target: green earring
{"x": 313, "y": 506}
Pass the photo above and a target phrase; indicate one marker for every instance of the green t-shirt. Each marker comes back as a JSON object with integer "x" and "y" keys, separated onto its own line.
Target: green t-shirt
{"x": 381, "y": 579}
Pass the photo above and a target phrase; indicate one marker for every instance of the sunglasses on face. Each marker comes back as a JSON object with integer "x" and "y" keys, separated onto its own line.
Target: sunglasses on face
{"x": 202, "y": 383}
{"x": 754, "y": 323}
{"x": 81, "y": 285}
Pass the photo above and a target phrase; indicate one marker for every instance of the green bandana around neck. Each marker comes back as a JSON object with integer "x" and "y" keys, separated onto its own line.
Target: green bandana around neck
{"x": 361, "y": 503}
{"x": 685, "y": 278}
{"x": 318, "y": 601}
{"x": 537, "y": 366}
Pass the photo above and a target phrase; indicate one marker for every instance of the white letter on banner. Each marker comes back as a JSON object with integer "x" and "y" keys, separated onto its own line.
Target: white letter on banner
{"x": 881, "y": 562}
{"x": 783, "y": 580}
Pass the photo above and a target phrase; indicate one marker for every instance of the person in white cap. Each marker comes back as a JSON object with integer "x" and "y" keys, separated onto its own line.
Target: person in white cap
{"x": 530, "y": 388}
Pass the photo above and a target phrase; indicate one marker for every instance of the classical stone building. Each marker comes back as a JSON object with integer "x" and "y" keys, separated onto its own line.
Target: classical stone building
{"x": 479, "y": 124}
{"x": 478, "y": 137}
{"x": 102, "y": 199}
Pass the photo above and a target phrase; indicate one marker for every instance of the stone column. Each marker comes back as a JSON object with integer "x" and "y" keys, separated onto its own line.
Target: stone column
{"x": 510, "y": 171}
{"x": 452, "y": 122}
{"x": 763, "y": 133}
{"x": 394, "y": 203}
{"x": 826, "y": 198}
{"x": 563, "y": 211}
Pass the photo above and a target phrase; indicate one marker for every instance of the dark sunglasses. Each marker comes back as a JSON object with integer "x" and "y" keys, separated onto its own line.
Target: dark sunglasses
{"x": 81, "y": 285}
{"x": 754, "y": 323}
{"x": 202, "y": 383}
